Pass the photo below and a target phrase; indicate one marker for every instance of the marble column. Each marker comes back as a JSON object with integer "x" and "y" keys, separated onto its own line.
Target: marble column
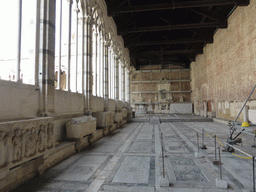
{"x": 87, "y": 63}
{"x": 128, "y": 86}
{"x": 123, "y": 83}
{"x": 46, "y": 58}
{"x": 106, "y": 68}
{"x": 116, "y": 64}
{"x": 95, "y": 47}
{"x": 70, "y": 2}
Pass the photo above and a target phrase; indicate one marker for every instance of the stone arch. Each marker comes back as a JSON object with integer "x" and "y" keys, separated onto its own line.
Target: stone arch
{"x": 86, "y": 7}
{"x": 204, "y": 92}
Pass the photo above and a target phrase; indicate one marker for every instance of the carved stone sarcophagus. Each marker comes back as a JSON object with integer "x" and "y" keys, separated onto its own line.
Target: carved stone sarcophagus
{"x": 79, "y": 127}
{"x": 23, "y": 140}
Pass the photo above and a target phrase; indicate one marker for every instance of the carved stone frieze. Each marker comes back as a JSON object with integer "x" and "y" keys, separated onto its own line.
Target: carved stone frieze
{"x": 23, "y": 140}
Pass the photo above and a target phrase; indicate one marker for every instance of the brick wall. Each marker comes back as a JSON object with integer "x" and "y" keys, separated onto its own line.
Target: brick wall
{"x": 226, "y": 73}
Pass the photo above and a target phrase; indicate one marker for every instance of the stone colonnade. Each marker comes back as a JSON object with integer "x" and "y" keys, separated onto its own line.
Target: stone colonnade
{"x": 46, "y": 59}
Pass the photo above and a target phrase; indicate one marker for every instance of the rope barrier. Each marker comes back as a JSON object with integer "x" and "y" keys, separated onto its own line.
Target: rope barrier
{"x": 219, "y": 142}
{"x": 210, "y": 136}
{"x": 223, "y": 146}
{"x": 241, "y": 156}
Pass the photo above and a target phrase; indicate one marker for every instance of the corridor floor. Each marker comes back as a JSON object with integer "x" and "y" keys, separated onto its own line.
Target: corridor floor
{"x": 130, "y": 159}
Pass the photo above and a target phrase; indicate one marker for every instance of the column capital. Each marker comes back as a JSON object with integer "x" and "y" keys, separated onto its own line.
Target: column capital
{"x": 87, "y": 18}
{"x": 117, "y": 57}
{"x": 70, "y": 1}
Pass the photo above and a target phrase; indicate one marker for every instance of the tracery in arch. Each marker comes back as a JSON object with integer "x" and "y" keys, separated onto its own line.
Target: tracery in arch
{"x": 97, "y": 51}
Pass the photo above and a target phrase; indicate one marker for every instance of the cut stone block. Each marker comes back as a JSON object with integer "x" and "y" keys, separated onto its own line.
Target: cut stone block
{"x": 96, "y": 136}
{"x": 124, "y": 113}
{"x": 104, "y": 119}
{"x": 154, "y": 121}
{"x": 181, "y": 108}
{"x": 79, "y": 127}
{"x": 106, "y": 131}
{"x": 164, "y": 181}
{"x": 133, "y": 170}
{"x": 198, "y": 155}
{"x": 118, "y": 119}
{"x": 82, "y": 143}
{"x": 129, "y": 111}
{"x": 220, "y": 183}
{"x": 112, "y": 128}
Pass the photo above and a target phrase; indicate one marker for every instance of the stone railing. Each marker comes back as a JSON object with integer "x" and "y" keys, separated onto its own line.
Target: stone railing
{"x": 23, "y": 140}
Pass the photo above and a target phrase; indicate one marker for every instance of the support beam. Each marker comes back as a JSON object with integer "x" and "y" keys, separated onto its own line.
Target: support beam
{"x": 155, "y": 61}
{"x": 172, "y": 27}
{"x": 208, "y": 14}
{"x": 175, "y": 5}
{"x": 170, "y": 42}
{"x": 171, "y": 52}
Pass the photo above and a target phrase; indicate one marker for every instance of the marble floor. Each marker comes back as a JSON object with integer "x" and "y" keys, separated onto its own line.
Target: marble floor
{"x": 130, "y": 159}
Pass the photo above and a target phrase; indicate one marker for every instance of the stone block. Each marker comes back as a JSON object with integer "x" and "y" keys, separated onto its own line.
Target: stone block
{"x": 61, "y": 152}
{"x": 198, "y": 155}
{"x": 104, "y": 119}
{"x": 96, "y": 136}
{"x": 164, "y": 181}
{"x": 112, "y": 128}
{"x": 181, "y": 108}
{"x": 124, "y": 113}
{"x": 124, "y": 121}
{"x": 79, "y": 127}
{"x": 129, "y": 111}
{"x": 220, "y": 183}
{"x": 120, "y": 105}
{"x": 106, "y": 131}
{"x": 82, "y": 143}
{"x": 20, "y": 174}
{"x": 118, "y": 117}
{"x": 252, "y": 115}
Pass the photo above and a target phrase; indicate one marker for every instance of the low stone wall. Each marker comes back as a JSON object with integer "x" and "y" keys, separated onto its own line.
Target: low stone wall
{"x": 27, "y": 147}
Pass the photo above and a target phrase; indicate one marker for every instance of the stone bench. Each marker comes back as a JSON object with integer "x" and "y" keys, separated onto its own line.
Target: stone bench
{"x": 79, "y": 127}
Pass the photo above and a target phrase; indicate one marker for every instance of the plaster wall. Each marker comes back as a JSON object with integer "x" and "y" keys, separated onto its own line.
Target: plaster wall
{"x": 111, "y": 105}
{"x": 17, "y": 100}
{"x": 226, "y": 73}
{"x": 67, "y": 103}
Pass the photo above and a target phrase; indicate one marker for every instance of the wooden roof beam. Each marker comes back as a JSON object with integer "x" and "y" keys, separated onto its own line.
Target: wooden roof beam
{"x": 208, "y": 14}
{"x": 170, "y": 42}
{"x": 173, "y": 52}
{"x": 222, "y": 24}
{"x": 113, "y": 11}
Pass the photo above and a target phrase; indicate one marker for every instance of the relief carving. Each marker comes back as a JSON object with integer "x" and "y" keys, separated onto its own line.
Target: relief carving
{"x": 3, "y": 153}
{"x": 41, "y": 139}
{"x": 9, "y": 147}
{"x": 21, "y": 141}
{"x": 49, "y": 136}
{"x": 181, "y": 99}
{"x": 26, "y": 143}
{"x": 33, "y": 141}
{"x": 17, "y": 145}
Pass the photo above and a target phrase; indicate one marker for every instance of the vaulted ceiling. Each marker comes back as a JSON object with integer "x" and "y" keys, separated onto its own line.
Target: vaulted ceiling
{"x": 169, "y": 31}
